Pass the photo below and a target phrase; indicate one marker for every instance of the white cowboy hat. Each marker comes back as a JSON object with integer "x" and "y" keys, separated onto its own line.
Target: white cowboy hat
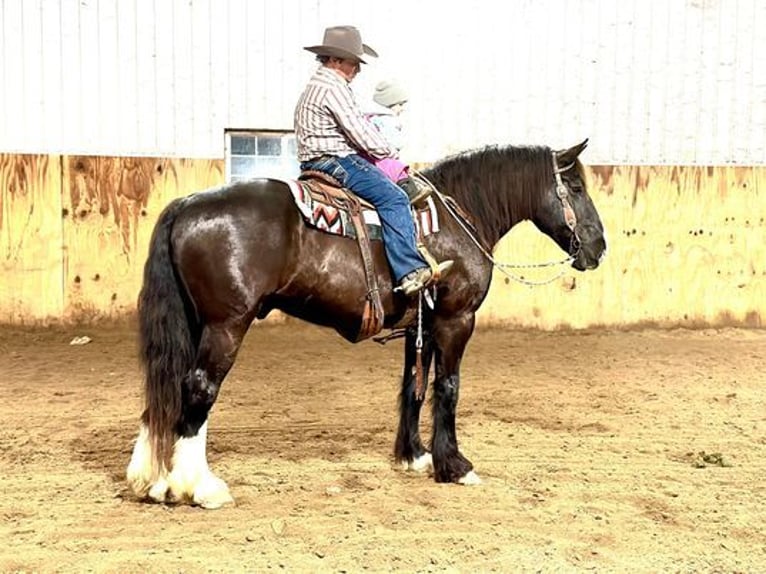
{"x": 343, "y": 42}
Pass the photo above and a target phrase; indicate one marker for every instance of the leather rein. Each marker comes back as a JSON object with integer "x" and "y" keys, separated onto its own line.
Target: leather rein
{"x": 562, "y": 192}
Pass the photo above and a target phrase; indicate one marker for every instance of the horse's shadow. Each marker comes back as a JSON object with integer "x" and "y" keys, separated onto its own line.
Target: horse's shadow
{"x": 331, "y": 442}
{"x": 107, "y": 449}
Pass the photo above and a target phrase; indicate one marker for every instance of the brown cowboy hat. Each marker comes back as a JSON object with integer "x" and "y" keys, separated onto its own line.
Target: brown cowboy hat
{"x": 343, "y": 42}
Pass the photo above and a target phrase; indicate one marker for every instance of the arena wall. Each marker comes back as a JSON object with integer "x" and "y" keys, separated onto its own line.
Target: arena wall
{"x": 111, "y": 109}
{"x": 650, "y": 82}
{"x": 687, "y": 244}
{"x": 74, "y": 230}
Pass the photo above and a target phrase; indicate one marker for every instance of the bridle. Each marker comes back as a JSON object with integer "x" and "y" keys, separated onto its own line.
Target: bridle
{"x": 563, "y": 194}
{"x": 569, "y": 216}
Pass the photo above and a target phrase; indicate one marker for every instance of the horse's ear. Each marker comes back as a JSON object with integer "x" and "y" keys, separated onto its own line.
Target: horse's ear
{"x": 570, "y": 155}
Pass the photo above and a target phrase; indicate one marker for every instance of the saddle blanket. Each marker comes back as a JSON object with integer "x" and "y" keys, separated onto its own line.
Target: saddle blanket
{"x": 332, "y": 219}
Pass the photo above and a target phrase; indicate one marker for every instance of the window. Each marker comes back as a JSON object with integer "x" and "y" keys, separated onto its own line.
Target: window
{"x": 251, "y": 154}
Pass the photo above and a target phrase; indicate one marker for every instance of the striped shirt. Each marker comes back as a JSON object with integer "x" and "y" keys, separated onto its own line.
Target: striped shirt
{"x": 328, "y": 121}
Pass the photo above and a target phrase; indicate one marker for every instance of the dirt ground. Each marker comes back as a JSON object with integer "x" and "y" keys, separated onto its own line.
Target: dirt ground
{"x": 589, "y": 444}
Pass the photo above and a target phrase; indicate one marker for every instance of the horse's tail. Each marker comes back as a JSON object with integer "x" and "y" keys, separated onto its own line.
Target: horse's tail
{"x": 168, "y": 333}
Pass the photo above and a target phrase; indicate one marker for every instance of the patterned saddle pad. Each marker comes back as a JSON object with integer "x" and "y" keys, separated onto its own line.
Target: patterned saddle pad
{"x": 330, "y": 218}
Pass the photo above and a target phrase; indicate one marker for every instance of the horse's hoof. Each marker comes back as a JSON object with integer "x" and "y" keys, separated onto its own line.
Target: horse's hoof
{"x": 214, "y": 501}
{"x": 212, "y": 493}
{"x": 159, "y": 491}
{"x": 423, "y": 463}
{"x": 470, "y": 479}
{"x": 138, "y": 484}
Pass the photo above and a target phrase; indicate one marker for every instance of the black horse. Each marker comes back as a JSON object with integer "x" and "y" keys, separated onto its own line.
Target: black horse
{"x": 221, "y": 258}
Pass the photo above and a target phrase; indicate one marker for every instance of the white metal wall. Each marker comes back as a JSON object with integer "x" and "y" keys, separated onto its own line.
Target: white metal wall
{"x": 648, "y": 81}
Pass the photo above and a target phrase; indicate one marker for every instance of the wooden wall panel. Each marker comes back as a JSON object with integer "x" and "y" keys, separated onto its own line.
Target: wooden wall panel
{"x": 30, "y": 239}
{"x": 687, "y": 245}
{"x": 111, "y": 205}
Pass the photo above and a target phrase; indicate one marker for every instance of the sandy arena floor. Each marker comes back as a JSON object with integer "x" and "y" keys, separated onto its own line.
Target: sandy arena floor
{"x": 589, "y": 444}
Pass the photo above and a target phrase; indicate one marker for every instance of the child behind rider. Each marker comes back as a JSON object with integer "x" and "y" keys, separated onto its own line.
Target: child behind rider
{"x": 388, "y": 103}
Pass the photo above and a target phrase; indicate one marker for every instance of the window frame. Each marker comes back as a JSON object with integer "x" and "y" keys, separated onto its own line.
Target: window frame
{"x": 288, "y": 155}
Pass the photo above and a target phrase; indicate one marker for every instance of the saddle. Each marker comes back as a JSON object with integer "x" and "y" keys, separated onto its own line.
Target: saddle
{"x": 327, "y": 190}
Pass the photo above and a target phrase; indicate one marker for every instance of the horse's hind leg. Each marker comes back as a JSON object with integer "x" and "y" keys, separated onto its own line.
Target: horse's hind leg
{"x": 190, "y": 478}
{"x": 409, "y": 449}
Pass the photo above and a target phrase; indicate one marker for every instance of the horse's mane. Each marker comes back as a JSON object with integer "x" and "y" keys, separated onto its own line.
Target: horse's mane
{"x": 497, "y": 185}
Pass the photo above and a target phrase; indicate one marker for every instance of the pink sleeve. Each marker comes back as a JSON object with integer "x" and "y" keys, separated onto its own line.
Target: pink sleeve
{"x": 393, "y": 168}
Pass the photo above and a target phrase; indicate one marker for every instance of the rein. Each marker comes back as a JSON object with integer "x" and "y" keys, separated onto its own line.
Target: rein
{"x": 569, "y": 216}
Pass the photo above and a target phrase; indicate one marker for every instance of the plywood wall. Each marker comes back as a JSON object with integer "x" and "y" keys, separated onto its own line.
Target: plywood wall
{"x": 74, "y": 230}
{"x": 687, "y": 245}
{"x": 31, "y": 244}
{"x": 110, "y": 206}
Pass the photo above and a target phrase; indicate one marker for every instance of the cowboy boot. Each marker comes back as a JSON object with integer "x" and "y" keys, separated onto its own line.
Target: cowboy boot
{"x": 417, "y": 280}
{"x": 415, "y": 192}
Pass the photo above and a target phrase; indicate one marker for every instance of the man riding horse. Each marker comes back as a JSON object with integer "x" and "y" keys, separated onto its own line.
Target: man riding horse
{"x": 220, "y": 259}
{"x": 333, "y": 134}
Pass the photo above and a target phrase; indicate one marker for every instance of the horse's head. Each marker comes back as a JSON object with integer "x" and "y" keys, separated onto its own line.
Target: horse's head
{"x": 567, "y": 214}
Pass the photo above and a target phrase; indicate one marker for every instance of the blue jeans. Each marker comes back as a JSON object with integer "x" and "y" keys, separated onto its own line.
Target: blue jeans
{"x": 390, "y": 201}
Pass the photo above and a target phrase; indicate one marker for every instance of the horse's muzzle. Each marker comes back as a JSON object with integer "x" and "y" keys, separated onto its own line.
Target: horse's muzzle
{"x": 592, "y": 251}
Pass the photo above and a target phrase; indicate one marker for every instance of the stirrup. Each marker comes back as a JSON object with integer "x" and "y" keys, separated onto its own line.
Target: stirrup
{"x": 419, "y": 199}
{"x": 416, "y": 193}
{"x": 421, "y": 278}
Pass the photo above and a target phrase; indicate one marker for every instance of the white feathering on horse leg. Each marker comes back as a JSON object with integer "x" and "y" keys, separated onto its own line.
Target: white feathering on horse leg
{"x": 191, "y": 478}
{"x": 422, "y": 463}
{"x": 188, "y": 465}
{"x": 159, "y": 490}
{"x": 470, "y": 479}
{"x": 140, "y": 471}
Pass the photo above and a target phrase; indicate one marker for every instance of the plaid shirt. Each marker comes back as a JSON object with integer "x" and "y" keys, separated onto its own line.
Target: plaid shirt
{"x": 328, "y": 121}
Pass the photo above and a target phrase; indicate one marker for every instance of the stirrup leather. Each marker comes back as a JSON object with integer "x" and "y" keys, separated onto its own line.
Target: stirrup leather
{"x": 436, "y": 272}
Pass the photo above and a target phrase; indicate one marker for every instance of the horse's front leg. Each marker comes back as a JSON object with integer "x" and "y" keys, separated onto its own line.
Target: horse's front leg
{"x": 408, "y": 449}
{"x": 450, "y": 338}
